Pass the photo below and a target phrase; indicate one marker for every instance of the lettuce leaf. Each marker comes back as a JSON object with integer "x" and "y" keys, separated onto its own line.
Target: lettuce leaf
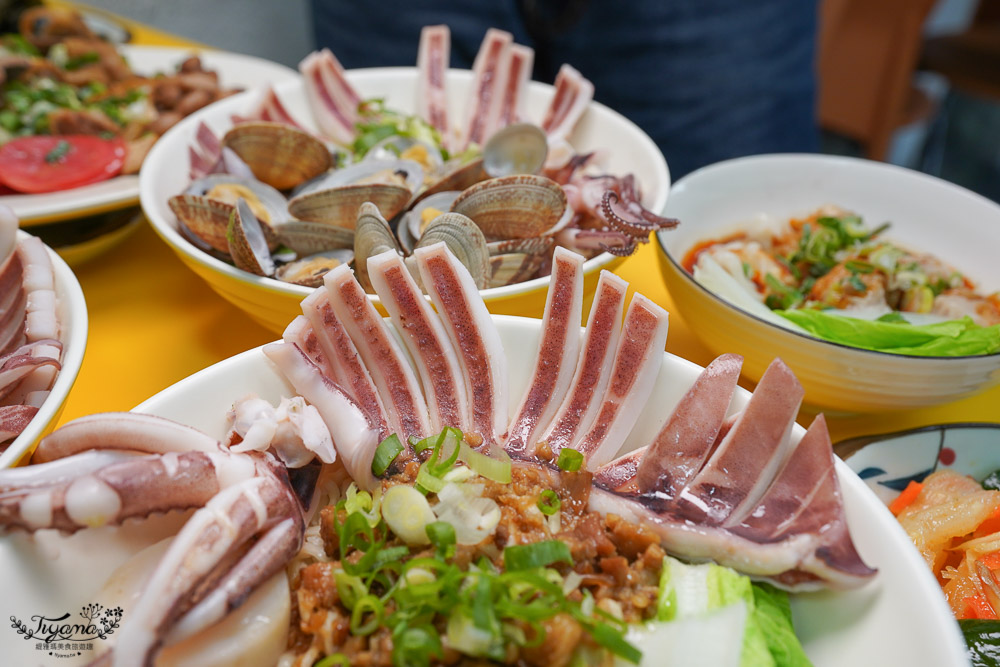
{"x": 773, "y": 617}
{"x": 954, "y": 338}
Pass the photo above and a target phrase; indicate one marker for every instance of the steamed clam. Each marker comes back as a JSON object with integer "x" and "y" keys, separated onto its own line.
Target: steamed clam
{"x": 280, "y": 155}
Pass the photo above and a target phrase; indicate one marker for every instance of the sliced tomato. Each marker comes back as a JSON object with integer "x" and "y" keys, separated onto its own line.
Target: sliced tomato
{"x": 48, "y": 163}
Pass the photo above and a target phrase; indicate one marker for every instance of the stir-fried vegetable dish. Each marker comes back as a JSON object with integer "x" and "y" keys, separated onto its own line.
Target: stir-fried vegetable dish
{"x": 836, "y": 278}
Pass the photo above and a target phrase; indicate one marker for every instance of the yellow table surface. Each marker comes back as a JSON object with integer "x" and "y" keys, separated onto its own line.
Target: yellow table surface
{"x": 153, "y": 322}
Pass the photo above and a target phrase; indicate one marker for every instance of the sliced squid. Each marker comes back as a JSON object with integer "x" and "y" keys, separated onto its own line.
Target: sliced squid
{"x": 520, "y": 60}
{"x": 572, "y": 95}
{"x": 635, "y": 368}
{"x": 432, "y": 71}
{"x": 397, "y": 384}
{"x": 473, "y": 334}
{"x": 332, "y": 100}
{"x": 483, "y": 106}
{"x": 558, "y": 350}
{"x": 593, "y": 370}
{"x": 425, "y": 337}
{"x": 344, "y": 360}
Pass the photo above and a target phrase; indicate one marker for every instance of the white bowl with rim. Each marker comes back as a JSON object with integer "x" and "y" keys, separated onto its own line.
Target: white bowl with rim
{"x": 899, "y": 617}
{"x": 273, "y": 303}
{"x": 927, "y": 214}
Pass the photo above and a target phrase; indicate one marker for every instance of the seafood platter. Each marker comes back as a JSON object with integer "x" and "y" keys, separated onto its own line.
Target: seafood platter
{"x": 502, "y": 178}
{"x": 490, "y": 502}
{"x": 840, "y": 266}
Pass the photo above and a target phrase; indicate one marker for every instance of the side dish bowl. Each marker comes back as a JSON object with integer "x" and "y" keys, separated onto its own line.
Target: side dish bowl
{"x": 72, "y": 311}
{"x": 274, "y": 303}
{"x": 898, "y": 618}
{"x": 926, "y": 213}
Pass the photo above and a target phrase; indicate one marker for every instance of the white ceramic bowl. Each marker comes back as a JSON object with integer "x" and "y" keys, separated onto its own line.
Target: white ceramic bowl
{"x": 898, "y": 618}
{"x": 927, "y": 214}
{"x": 72, "y": 311}
{"x": 274, "y": 303}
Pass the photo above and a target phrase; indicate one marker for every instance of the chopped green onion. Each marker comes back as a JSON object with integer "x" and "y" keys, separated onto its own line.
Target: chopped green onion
{"x": 59, "y": 152}
{"x": 427, "y": 481}
{"x": 496, "y": 468}
{"x": 442, "y": 536}
{"x": 350, "y": 588}
{"x": 540, "y": 554}
{"x": 570, "y": 460}
{"x": 414, "y": 646}
{"x": 385, "y": 454}
{"x": 335, "y": 660}
{"x": 613, "y": 640}
{"x": 859, "y": 266}
{"x": 365, "y": 605}
{"x": 548, "y": 502}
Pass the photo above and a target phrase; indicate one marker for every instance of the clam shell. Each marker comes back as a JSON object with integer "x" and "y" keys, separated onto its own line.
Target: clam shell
{"x": 340, "y": 206}
{"x": 280, "y": 155}
{"x": 309, "y": 271}
{"x": 247, "y": 241}
{"x": 310, "y": 238}
{"x": 520, "y": 207}
{"x": 513, "y": 267}
{"x": 538, "y": 245}
{"x": 372, "y": 235}
{"x": 465, "y": 240}
{"x": 205, "y": 219}
{"x": 409, "y": 229}
{"x": 410, "y": 172}
{"x": 458, "y": 178}
{"x": 273, "y": 201}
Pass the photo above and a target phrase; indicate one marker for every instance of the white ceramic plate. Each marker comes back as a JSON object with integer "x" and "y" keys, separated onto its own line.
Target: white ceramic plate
{"x": 72, "y": 312}
{"x": 235, "y": 71}
{"x": 899, "y": 618}
{"x": 165, "y": 172}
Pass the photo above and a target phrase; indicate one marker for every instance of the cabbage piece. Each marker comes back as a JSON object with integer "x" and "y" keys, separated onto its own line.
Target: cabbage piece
{"x": 690, "y": 594}
{"x": 720, "y": 282}
{"x": 943, "y": 339}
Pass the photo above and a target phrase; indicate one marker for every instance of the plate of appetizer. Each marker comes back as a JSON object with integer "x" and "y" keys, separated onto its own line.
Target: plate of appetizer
{"x": 518, "y": 170}
{"x": 516, "y": 492}
{"x": 79, "y": 114}
{"x": 943, "y": 484}
{"x": 844, "y": 267}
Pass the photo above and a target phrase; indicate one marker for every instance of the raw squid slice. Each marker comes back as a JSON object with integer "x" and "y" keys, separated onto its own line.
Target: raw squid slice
{"x": 593, "y": 371}
{"x": 619, "y": 475}
{"x": 805, "y": 499}
{"x": 393, "y": 376}
{"x": 744, "y": 464}
{"x": 488, "y": 69}
{"x": 473, "y": 334}
{"x": 300, "y": 332}
{"x": 432, "y": 67}
{"x": 425, "y": 337}
{"x": 558, "y": 350}
{"x": 573, "y": 94}
{"x": 15, "y": 418}
{"x": 689, "y": 435}
{"x": 332, "y": 100}
{"x": 520, "y": 60}
{"x": 643, "y": 338}
{"x": 353, "y": 436}
{"x": 348, "y": 368}
{"x": 271, "y": 109}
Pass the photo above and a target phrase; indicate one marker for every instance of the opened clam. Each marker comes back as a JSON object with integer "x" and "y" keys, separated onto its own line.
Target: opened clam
{"x": 520, "y": 207}
{"x": 248, "y": 242}
{"x": 309, "y": 271}
{"x": 280, "y": 155}
{"x": 335, "y": 198}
